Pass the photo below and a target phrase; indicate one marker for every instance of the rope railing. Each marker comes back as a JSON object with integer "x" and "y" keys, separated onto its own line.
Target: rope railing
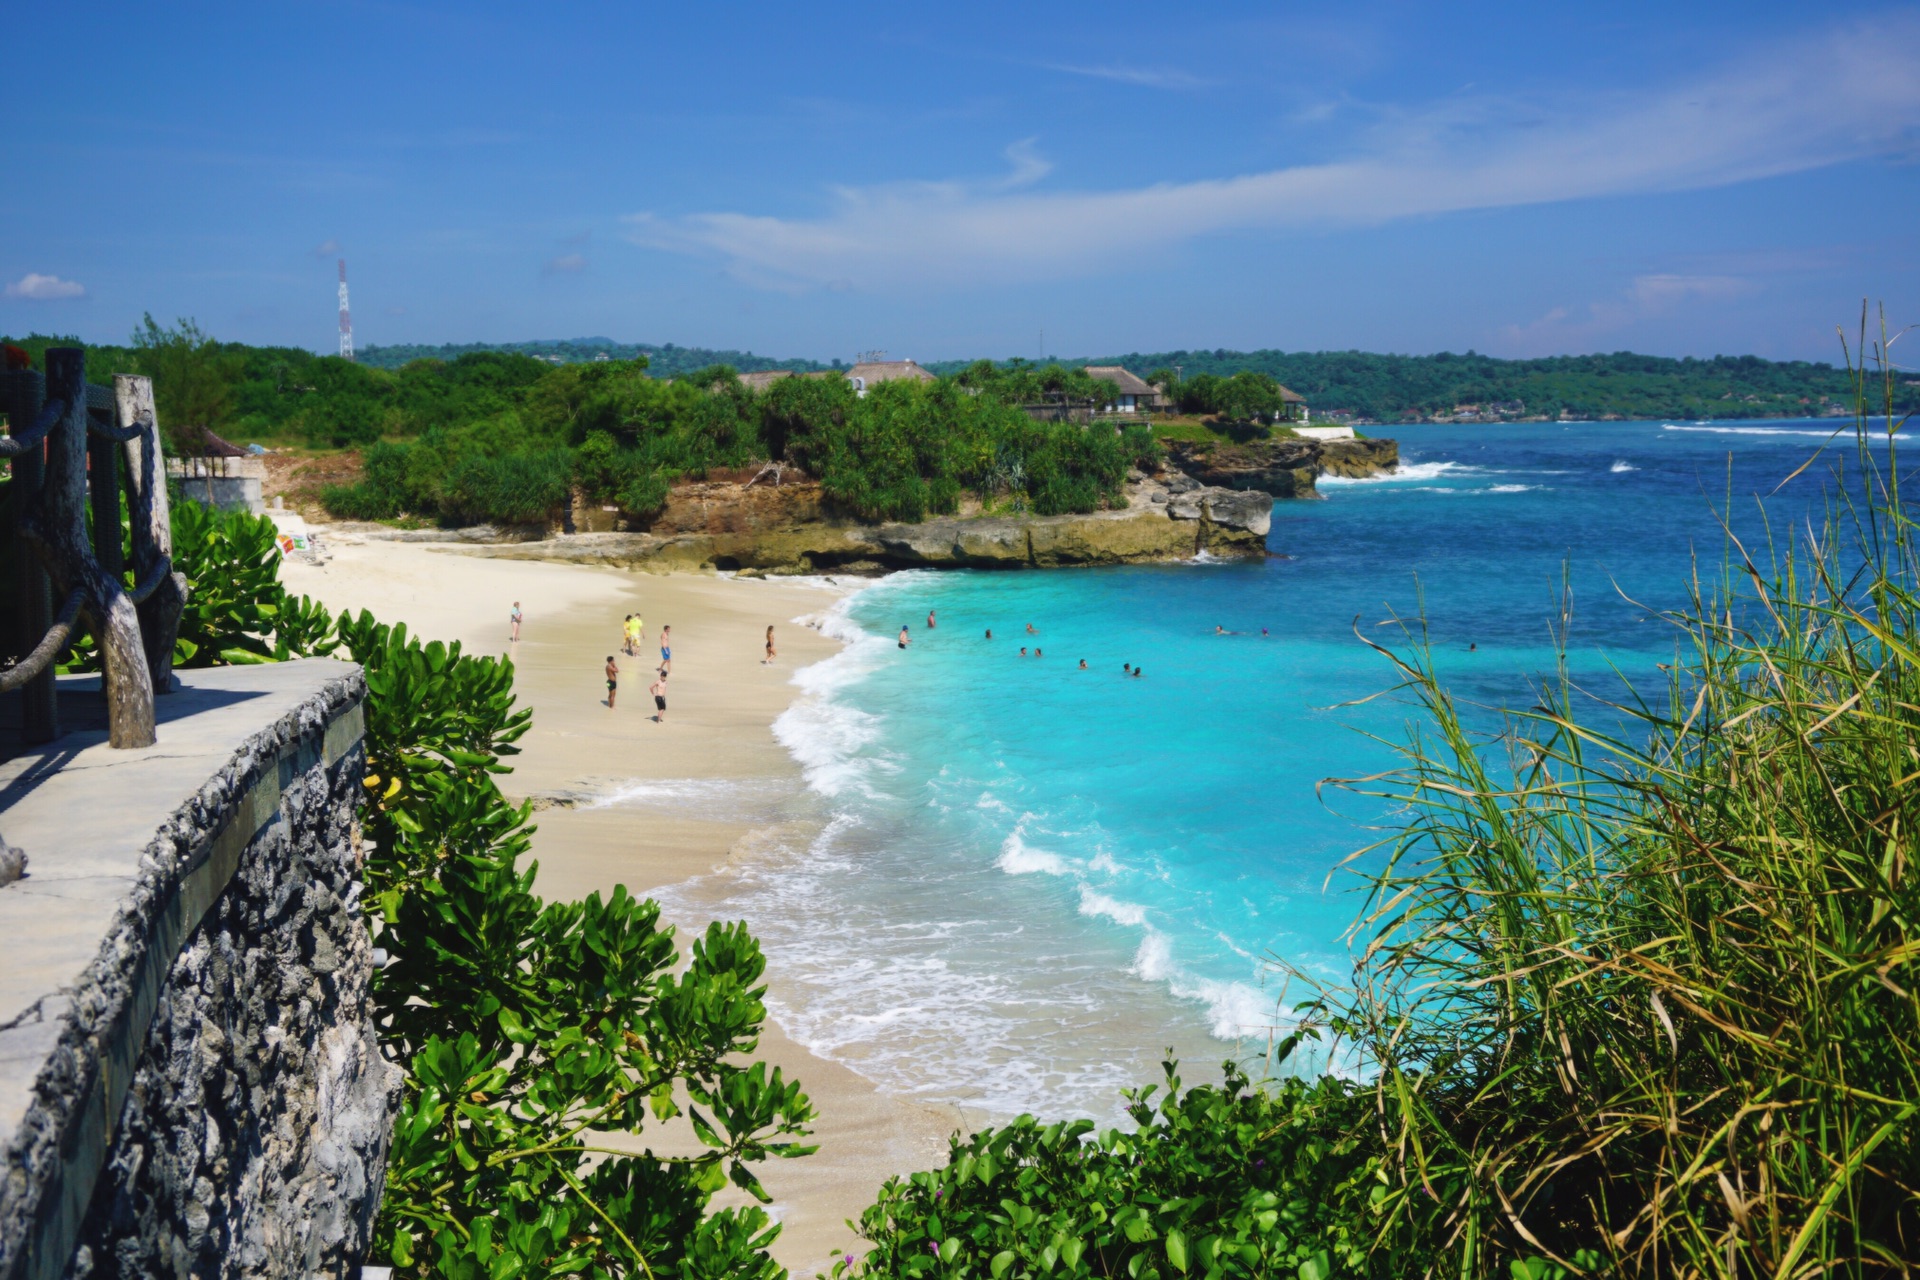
{"x": 67, "y": 462}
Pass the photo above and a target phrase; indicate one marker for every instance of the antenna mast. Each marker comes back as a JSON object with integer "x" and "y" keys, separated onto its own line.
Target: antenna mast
{"x": 346, "y": 324}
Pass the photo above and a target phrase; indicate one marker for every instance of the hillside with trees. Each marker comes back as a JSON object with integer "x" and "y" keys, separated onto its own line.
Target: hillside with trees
{"x": 505, "y": 437}
{"x": 1393, "y": 388}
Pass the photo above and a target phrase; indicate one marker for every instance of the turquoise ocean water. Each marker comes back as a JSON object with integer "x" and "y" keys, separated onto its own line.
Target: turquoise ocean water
{"x": 1018, "y": 882}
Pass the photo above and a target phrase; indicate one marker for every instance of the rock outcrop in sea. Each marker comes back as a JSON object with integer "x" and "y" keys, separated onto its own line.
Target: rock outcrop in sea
{"x": 1211, "y": 499}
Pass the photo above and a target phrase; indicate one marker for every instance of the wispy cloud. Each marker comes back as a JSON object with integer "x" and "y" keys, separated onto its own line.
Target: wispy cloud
{"x": 566, "y": 264}
{"x": 1146, "y": 77}
{"x": 1823, "y": 100}
{"x": 1648, "y": 297}
{"x": 326, "y": 248}
{"x": 35, "y": 287}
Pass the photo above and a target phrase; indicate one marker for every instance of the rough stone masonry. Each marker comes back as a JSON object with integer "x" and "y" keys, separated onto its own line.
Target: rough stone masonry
{"x": 226, "y": 1005}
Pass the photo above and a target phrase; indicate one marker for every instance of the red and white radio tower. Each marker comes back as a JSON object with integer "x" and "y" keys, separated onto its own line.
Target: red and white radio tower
{"x": 346, "y": 325}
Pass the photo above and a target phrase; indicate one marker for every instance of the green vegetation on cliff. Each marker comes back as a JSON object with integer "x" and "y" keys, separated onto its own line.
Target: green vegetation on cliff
{"x": 502, "y": 436}
{"x": 1395, "y": 388}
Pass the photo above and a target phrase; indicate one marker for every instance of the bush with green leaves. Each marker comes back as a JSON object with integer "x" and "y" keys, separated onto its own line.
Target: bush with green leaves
{"x": 540, "y": 1040}
{"x": 1221, "y": 1181}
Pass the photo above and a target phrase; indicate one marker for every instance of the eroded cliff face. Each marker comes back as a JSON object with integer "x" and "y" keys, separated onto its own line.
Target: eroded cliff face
{"x": 1284, "y": 468}
{"x": 1216, "y": 521}
{"x": 1216, "y": 499}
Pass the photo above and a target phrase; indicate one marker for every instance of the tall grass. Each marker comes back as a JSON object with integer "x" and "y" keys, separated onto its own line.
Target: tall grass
{"x": 1642, "y": 1001}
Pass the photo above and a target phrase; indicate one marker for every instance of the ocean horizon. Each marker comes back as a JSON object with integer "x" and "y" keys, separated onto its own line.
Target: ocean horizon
{"x": 1011, "y": 884}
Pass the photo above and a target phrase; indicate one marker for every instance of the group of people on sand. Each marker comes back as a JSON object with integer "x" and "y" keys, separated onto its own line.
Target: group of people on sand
{"x": 906, "y": 638}
{"x": 633, "y": 633}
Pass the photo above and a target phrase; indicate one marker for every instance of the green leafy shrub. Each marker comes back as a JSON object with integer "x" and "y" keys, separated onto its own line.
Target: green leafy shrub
{"x": 514, "y": 488}
{"x": 1220, "y": 1181}
{"x": 532, "y": 1033}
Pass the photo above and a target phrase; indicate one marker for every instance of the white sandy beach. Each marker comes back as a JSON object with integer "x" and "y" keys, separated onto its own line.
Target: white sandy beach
{"x": 722, "y": 703}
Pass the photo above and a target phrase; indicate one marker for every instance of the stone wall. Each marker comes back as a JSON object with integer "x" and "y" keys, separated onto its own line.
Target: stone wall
{"x": 207, "y": 1096}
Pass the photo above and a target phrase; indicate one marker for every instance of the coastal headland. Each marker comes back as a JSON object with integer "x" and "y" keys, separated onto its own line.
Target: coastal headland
{"x": 1212, "y": 499}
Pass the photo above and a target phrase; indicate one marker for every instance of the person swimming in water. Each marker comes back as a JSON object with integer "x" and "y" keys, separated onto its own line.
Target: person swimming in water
{"x": 989, "y": 633}
{"x": 905, "y": 639}
{"x": 1126, "y": 668}
{"x": 1031, "y": 631}
{"x": 1083, "y": 664}
{"x": 1137, "y": 673}
{"x": 1023, "y": 651}
{"x": 929, "y": 619}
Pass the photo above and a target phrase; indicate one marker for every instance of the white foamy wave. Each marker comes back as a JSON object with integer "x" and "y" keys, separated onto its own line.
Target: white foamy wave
{"x": 1095, "y": 903}
{"x": 1621, "y": 466}
{"x": 829, "y": 739}
{"x": 1153, "y": 961}
{"x": 1512, "y": 488}
{"x": 1404, "y": 472}
{"x": 1235, "y": 1011}
{"x": 690, "y": 794}
{"x": 1018, "y": 858}
{"x": 1765, "y": 431}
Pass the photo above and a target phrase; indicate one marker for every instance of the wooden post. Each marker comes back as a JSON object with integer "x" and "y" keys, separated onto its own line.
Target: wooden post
{"x": 153, "y": 535}
{"x": 103, "y": 492}
{"x": 59, "y": 527}
{"x": 24, "y": 392}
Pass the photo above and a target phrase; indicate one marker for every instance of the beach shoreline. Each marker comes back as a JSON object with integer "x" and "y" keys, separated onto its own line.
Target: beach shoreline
{"x": 621, "y": 799}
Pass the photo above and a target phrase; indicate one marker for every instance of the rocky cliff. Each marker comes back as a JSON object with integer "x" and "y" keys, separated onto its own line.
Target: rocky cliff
{"x": 1211, "y": 498}
{"x": 1284, "y": 468}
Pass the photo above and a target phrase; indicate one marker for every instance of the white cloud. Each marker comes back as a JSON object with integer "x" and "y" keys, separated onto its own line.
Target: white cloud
{"x": 1648, "y": 297}
{"x": 1143, "y": 76}
{"x": 565, "y": 264}
{"x": 326, "y": 248}
{"x": 38, "y": 288}
{"x": 1821, "y": 101}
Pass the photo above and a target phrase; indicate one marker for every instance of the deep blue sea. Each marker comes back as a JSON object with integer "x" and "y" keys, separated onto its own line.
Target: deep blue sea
{"x": 1023, "y": 881}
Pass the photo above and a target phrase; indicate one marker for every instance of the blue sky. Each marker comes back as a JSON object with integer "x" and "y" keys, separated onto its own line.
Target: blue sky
{"x": 1520, "y": 179}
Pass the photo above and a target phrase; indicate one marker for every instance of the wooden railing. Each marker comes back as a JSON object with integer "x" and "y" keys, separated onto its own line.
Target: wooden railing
{"x": 73, "y": 446}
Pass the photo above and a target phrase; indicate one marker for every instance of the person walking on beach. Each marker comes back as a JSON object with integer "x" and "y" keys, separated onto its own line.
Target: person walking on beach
{"x": 626, "y": 636}
{"x": 771, "y": 654}
{"x": 666, "y": 649}
{"x": 513, "y": 620}
{"x": 613, "y": 681}
{"x": 659, "y": 691}
{"x": 929, "y": 619}
{"x": 905, "y": 639}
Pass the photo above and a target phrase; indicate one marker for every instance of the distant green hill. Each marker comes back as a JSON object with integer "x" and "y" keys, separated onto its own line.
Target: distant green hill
{"x": 1390, "y": 388}
{"x": 666, "y": 361}
{"x": 1357, "y": 384}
